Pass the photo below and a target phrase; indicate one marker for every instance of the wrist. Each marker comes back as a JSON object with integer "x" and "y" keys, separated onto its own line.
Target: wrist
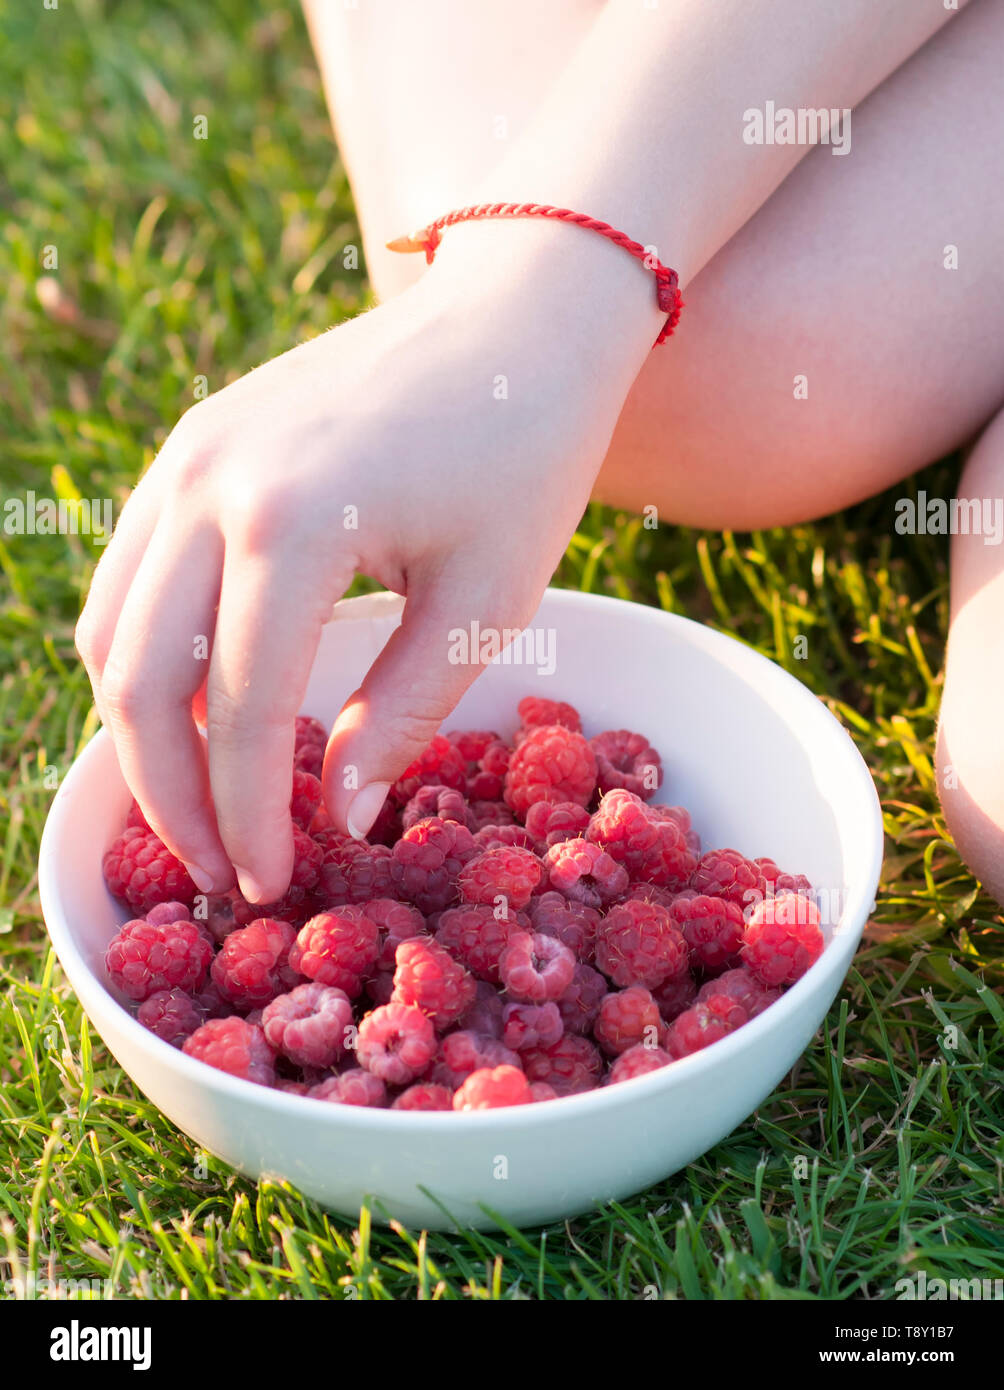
{"x": 570, "y": 291}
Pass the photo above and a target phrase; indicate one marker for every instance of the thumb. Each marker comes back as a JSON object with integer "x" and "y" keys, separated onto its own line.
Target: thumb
{"x": 414, "y": 684}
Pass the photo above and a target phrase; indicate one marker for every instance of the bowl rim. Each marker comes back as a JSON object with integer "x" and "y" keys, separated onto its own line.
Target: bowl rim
{"x": 93, "y": 993}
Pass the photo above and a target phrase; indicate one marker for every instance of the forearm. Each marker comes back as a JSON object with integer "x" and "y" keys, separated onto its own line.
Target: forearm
{"x": 644, "y": 128}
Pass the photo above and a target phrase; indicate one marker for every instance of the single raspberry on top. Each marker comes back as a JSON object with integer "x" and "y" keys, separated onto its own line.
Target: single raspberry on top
{"x": 172, "y": 1014}
{"x": 477, "y": 938}
{"x": 535, "y": 967}
{"x": 440, "y": 764}
{"x": 570, "y": 1065}
{"x": 534, "y": 710}
{"x": 638, "y": 944}
{"x": 233, "y": 1045}
{"x": 428, "y": 978}
{"x": 309, "y": 1025}
{"x": 305, "y": 799}
{"x": 550, "y": 822}
{"x": 489, "y": 1090}
{"x": 337, "y": 948}
{"x": 445, "y": 802}
{"x": 725, "y": 873}
{"x": 353, "y": 871}
{"x": 783, "y": 938}
{"x": 628, "y": 1017}
{"x": 142, "y": 871}
{"x": 426, "y": 862}
{"x": 396, "y": 1042}
{"x": 509, "y": 874}
{"x": 585, "y": 873}
{"x": 424, "y": 1096}
{"x": 627, "y": 760}
{"x": 253, "y": 964}
{"x": 713, "y": 930}
{"x": 145, "y": 957}
{"x": 638, "y": 1061}
{"x": 651, "y": 846}
{"x": 551, "y": 764}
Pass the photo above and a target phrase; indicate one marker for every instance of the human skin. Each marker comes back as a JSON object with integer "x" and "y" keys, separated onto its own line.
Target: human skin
{"x": 236, "y": 531}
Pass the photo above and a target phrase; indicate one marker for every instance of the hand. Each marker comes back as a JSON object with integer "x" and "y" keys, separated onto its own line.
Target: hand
{"x": 467, "y": 446}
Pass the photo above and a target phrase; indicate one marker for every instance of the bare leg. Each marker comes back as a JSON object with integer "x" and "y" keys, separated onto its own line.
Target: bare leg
{"x": 971, "y": 736}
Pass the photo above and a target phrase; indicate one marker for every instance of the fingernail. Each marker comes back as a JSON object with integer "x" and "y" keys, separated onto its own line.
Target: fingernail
{"x": 365, "y": 808}
{"x": 202, "y": 879}
{"x": 249, "y": 885}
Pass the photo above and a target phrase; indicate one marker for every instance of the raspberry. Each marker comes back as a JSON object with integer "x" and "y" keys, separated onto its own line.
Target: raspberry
{"x": 439, "y": 765}
{"x": 460, "y": 1054}
{"x": 145, "y": 957}
{"x": 626, "y": 760}
{"x": 504, "y": 837}
{"x": 652, "y": 847}
{"x": 580, "y": 1002}
{"x": 294, "y": 906}
{"x": 426, "y": 860}
{"x": 396, "y": 1042}
{"x": 142, "y": 871}
{"x": 172, "y": 1014}
{"x": 353, "y": 871}
{"x": 743, "y": 986}
{"x": 676, "y": 994}
{"x": 397, "y": 922}
{"x": 309, "y": 1024}
{"x": 638, "y": 944}
{"x": 550, "y": 822}
{"x": 704, "y": 1024}
{"x": 551, "y": 764}
{"x": 585, "y": 872}
{"x": 136, "y": 818}
{"x": 490, "y": 814}
{"x": 352, "y": 1087}
{"x": 233, "y": 1045}
{"x": 725, "y": 873}
{"x": 337, "y": 948}
{"x": 445, "y": 802}
{"x": 253, "y": 964}
{"x": 308, "y": 748}
{"x": 424, "y": 1096}
{"x": 652, "y": 893}
{"x": 535, "y": 967}
{"x": 485, "y": 1014}
{"x": 531, "y": 1025}
{"x": 534, "y": 710}
{"x": 510, "y": 874}
{"x": 477, "y": 938}
{"x": 782, "y": 938}
{"x": 573, "y": 923}
{"x": 490, "y": 1090}
{"x": 380, "y": 986}
{"x": 540, "y": 1090}
{"x": 570, "y": 1065}
{"x": 712, "y": 928}
{"x": 776, "y": 881}
{"x": 386, "y": 829}
{"x": 428, "y": 978}
{"x": 164, "y": 913}
{"x": 638, "y": 1061}
{"x": 472, "y": 743}
{"x": 682, "y": 817}
{"x": 305, "y": 799}
{"x": 626, "y": 1018}
{"x": 487, "y": 777}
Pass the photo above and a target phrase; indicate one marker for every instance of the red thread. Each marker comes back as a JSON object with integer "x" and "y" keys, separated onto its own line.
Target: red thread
{"x": 667, "y": 281}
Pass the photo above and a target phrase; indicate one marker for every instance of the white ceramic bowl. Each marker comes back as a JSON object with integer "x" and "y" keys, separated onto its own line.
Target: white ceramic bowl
{"x": 762, "y": 766}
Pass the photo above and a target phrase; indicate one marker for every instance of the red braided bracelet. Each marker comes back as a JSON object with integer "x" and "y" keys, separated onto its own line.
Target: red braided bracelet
{"x": 667, "y": 283}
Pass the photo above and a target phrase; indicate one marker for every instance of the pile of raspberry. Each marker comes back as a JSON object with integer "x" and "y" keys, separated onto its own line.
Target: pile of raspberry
{"x": 522, "y": 923}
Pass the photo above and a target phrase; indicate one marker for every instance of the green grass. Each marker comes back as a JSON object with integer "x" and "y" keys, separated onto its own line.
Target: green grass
{"x": 880, "y": 1155}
